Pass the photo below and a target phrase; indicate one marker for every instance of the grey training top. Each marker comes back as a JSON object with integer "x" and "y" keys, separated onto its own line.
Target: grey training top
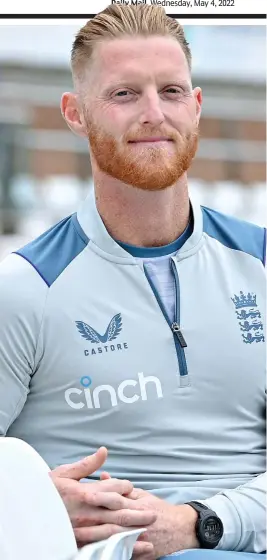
{"x": 89, "y": 357}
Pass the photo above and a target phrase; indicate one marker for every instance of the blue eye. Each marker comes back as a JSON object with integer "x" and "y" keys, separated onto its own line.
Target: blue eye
{"x": 122, "y": 93}
{"x": 173, "y": 90}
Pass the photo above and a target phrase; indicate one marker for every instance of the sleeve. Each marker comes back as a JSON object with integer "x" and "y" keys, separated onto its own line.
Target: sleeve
{"x": 22, "y": 297}
{"x": 243, "y": 513}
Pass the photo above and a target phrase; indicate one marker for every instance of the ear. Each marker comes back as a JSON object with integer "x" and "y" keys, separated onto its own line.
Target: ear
{"x": 198, "y": 101}
{"x": 71, "y": 112}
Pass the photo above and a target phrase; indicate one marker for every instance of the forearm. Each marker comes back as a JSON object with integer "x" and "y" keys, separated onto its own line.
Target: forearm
{"x": 243, "y": 513}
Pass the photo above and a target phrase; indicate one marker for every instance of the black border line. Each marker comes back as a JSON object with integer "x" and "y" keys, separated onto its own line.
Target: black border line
{"x": 175, "y": 16}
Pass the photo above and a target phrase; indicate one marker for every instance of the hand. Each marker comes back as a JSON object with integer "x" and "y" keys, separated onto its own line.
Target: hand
{"x": 97, "y": 509}
{"x": 174, "y": 528}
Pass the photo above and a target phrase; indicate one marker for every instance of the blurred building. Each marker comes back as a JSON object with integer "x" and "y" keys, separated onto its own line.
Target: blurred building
{"x": 45, "y": 169}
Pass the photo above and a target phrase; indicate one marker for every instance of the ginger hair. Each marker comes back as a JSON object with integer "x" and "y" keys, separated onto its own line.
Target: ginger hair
{"x": 124, "y": 21}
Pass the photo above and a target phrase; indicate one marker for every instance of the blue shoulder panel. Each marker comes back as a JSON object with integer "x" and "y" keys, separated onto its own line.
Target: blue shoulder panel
{"x": 235, "y": 233}
{"x": 54, "y": 250}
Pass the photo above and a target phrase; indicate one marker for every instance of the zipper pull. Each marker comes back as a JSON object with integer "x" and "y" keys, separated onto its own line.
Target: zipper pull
{"x": 176, "y": 330}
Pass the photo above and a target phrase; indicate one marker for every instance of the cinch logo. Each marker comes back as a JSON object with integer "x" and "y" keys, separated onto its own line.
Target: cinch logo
{"x": 246, "y": 309}
{"x": 90, "y": 398}
{"x": 113, "y": 330}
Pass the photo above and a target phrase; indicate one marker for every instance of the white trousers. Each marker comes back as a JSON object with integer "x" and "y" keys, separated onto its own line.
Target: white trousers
{"x": 34, "y": 523}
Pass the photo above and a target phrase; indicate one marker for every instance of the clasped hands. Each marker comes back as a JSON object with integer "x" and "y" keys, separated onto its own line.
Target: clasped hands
{"x": 102, "y": 508}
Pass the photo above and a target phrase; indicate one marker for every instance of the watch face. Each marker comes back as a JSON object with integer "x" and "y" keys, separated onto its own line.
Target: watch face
{"x": 212, "y": 529}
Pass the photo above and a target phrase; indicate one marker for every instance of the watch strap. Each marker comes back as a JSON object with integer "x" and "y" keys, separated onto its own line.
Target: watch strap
{"x": 203, "y": 513}
{"x": 200, "y": 508}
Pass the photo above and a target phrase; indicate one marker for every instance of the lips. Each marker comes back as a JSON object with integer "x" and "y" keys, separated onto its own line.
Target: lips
{"x": 151, "y": 139}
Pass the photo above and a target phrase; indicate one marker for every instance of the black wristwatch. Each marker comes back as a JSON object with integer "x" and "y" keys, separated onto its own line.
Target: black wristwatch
{"x": 209, "y": 527}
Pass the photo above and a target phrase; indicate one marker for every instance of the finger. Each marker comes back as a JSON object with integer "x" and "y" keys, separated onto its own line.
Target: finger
{"x": 142, "y": 549}
{"x": 113, "y": 485}
{"x": 91, "y": 494}
{"x": 105, "y": 476}
{"x": 109, "y": 500}
{"x": 129, "y": 517}
{"x": 135, "y": 494}
{"x": 114, "y": 500}
{"x": 143, "y": 536}
{"x": 84, "y": 467}
{"x": 86, "y": 535}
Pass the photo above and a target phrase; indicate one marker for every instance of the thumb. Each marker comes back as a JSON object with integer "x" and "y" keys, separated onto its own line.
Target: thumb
{"x": 82, "y": 468}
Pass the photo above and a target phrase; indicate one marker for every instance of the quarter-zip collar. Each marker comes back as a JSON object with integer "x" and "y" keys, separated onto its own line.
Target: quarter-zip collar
{"x": 101, "y": 241}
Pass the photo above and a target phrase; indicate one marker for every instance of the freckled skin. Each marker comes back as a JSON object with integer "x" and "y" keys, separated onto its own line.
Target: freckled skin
{"x": 141, "y": 88}
{"x": 132, "y": 88}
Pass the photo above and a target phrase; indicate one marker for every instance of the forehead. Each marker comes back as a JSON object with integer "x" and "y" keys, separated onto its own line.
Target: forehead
{"x": 138, "y": 57}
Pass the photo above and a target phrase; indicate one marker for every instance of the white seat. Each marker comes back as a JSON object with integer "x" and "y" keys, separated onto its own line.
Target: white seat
{"x": 34, "y": 522}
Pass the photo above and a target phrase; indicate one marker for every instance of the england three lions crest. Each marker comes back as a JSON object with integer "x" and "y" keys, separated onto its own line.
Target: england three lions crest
{"x": 249, "y": 317}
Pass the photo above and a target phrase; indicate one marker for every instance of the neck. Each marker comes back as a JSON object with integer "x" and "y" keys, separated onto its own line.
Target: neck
{"x": 142, "y": 218}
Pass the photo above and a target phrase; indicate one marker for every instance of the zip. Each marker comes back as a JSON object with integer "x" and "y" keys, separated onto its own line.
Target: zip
{"x": 179, "y": 340}
{"x": 177, "y": 331}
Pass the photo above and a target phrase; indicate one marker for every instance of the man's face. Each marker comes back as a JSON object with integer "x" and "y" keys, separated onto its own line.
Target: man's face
{"x": 140, "y": 111}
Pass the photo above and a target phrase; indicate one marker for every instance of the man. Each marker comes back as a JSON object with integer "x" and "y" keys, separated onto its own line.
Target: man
{"x": 138, "y": 323}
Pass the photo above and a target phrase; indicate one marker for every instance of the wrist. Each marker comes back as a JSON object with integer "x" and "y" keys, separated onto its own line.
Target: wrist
{"x": 188, "y": 518}
{"x": 192, "y": 517}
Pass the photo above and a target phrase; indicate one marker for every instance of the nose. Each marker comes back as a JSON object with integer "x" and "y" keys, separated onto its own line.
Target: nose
{"x": 151, "y": 111}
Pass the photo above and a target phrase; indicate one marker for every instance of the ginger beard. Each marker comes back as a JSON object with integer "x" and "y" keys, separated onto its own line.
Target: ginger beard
{"x": 147, "y": 167}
